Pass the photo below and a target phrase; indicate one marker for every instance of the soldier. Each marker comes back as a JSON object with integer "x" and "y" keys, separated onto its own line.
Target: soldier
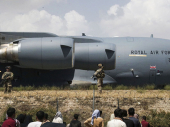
{"x": 8, "y": 76}
{"x": 99, "y": 74}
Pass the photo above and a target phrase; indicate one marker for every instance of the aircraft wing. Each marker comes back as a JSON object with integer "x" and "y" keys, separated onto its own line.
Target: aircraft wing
{"x": 6, "y": 37}
{"x": 83, "y": 78}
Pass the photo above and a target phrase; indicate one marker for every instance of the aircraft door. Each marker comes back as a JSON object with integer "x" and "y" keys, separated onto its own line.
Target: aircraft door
{"x": 152, "y": 76}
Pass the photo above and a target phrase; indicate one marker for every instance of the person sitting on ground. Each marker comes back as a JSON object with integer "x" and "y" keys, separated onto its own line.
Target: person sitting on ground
{"x": 128, "y": 122}
{"x": 117, "y": 121}
{"x": 58, "y": 118}
{"x": 95, "y": 120}
{"x": 75, "y": 122}
{"x": 10, "y": 120}
{"x": 131, "y": 112}
{"x": 39, "y": 117}
{"x": 45, "y": 118}
{"x": 144, "y": 123}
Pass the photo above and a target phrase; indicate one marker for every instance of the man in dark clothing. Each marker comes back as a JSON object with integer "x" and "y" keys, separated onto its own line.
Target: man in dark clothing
{"x": 24, "y": 120}
{"x": 129, "y": 123}
{"x": 144, "y": 123}
{"x": 100, "y": 113}
{"x": 10, "y": 122}
{"x": 75, "y": 122}
{"x": 131, "y": 112}
{"x": 45, "y": 119}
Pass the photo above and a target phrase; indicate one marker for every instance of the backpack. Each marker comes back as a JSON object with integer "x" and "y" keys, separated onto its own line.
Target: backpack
{"x": 101, "y": 74}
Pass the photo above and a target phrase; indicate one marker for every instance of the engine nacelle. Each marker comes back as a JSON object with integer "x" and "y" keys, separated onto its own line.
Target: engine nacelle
{"x": 41, "y": 53}
{"x": 52, "y": 53}
{"x": 88, "y": 55}
{"x": 46, "y": 53}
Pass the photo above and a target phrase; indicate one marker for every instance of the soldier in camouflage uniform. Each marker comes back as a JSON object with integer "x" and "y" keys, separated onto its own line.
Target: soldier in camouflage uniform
{"x": 99, "y": 74}
{"x": 8, "y": 85}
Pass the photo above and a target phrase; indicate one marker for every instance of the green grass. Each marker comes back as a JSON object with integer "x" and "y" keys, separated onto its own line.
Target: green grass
{"x": 92, "y": 87}
{"x": 150, "y": 87}
{"x": 107, "y": 87}
{"x": 121, "y": 87}
{"x": 167, "y": 87}
{"x": 140, "y": 89}
{"x": 159, "y": 119}
{"x": 31, "y": 88}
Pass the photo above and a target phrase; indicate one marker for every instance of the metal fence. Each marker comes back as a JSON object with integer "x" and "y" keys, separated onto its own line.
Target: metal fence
{"x": 82, "y": 102}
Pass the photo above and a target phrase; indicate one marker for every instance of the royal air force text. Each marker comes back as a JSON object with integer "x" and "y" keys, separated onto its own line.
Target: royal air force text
{"x": 152, "y": 52}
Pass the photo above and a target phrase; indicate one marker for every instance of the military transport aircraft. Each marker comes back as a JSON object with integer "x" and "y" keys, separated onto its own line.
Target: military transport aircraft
{"x": 48, "y": 59}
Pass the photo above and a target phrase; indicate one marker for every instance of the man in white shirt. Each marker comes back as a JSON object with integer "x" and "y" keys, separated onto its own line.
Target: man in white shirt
{"x": 39, "y": 117}
{"x": 117, "y": 121}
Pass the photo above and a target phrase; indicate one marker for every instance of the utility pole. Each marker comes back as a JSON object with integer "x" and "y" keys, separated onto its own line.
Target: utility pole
{"x": 57, "y": 103}
{"x": 93, "y": 96}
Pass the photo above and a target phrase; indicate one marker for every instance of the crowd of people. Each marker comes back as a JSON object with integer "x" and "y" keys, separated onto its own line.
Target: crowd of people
{"x": 118, "y": 119}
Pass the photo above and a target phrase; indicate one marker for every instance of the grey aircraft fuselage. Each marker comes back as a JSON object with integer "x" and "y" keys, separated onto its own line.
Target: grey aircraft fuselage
{"x": 127, "y": 60}
{"x": 139, "y": 61}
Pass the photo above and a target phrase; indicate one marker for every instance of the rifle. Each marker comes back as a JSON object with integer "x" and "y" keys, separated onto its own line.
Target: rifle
{"x": 3, "y": 81}
{"x": 94, "y": 78}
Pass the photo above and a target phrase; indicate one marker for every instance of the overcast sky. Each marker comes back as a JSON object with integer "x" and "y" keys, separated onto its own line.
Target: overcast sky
{"x": 101, "y": 18}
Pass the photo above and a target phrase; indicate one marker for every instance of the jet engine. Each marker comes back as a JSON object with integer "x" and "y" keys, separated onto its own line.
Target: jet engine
{"x": 88, "y": 55}
{"x": 52, "y": 53}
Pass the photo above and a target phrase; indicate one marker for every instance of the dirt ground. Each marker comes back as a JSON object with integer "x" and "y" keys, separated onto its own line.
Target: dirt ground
{"x": 81, "y": 101}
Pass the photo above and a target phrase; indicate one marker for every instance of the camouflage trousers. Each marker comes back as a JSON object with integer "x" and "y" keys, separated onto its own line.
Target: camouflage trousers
{"x": 7, "y": 87}
{"x": 99, "y": 85}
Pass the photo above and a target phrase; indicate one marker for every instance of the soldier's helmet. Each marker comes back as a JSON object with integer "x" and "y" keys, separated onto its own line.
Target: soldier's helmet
{"x": 100, "y": 65}
{"x": 8, "y": 67}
